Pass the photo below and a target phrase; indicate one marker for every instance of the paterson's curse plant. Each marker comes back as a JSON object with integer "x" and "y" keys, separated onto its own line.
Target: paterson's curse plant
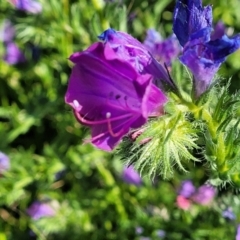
{"x": 163, "y": 112}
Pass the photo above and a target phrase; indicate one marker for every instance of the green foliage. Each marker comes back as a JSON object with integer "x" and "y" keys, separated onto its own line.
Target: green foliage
{"x": 51, "y": 163}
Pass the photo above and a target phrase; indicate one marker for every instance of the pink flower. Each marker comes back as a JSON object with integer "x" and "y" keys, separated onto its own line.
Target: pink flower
{"x": 183, "y": 202}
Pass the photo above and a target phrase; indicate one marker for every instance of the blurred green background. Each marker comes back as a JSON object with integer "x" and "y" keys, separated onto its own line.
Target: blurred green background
{"x": 44, "y": 142}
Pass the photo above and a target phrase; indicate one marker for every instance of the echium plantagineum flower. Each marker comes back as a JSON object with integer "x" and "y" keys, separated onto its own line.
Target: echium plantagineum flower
{"x": 219, "y": 31}
{"x": 187, "y": 189}
{"x": 109, "y": 94}
{"x": 188, "y": 193}
{"x": 30, "y": 6}
{"x": 238, "y": 233}
{"x": 164, "y": 50}
{"x": 13, "y": 54}
{"x": 201, "y": 54}
{"x": 130, "y": 49}
{"x": 228, "y": 214}
{"x": 39, "y": 210}
{"x": 130, "y": 176}
{"x": 4, "y": 163}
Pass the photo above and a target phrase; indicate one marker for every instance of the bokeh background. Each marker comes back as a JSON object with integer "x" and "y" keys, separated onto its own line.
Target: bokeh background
{"x": 55, "y": 186}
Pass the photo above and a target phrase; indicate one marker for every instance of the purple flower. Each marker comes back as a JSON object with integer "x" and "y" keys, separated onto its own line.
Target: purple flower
{"x": 204, "y": 195}
{"x": 219, "y": 31}
{"x": 4, "y": 163}
{"x": 190, "y": 19}
{"x": 7, "y": 31}
{"x": 13, "y": 54}
{"x": 228, "y": 214}
{"x": 187, "y": 189}
{"x": 203, "y": 56}
{"x": 161, "y": 233}
{"x": 165, "y": 51}
{"x": 130, "y": 176}
{"x": 39, "y": 209}
{"x": 152, "y": 38}
{"x": 109, "y": 95}
{"x": 238, "y": 232}
{"x": 130, "y": 49}
{"x": 204, "y": 59}
{"x": 30, "y": 6}
{"x": 189, "y": 193}
{"x": 138, "y": 230}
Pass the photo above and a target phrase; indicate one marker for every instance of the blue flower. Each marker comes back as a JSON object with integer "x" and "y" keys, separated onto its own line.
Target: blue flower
{"x": 202, "y": 54}
{"x": 190, "y": 18}
{"x": 229, "y": 214}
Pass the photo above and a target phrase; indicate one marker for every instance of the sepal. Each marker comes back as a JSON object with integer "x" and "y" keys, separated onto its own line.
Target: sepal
{"x": 163, "y": 144}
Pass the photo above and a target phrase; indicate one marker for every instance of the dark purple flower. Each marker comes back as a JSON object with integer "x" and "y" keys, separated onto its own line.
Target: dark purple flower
{"x": 13, "y": 54}
{"x": 39, "y": 209}
{"x": 131, "y": 50}
{"x": 187, "y": 189}
{"x": 203, "y": 56}
{"x": 109, "y": 95}
{"x": 30, "y": 6}
{"x": 228, "y": 214}
{"x": 4, "y": 163}
{"x": 130, "y": 176}
{"x": 204, "y": 195}
{"x": 190, "y": 19}
{"x": 238, "y": 233}
{"x": 165, "y": 51}
{"x": 7, "y": 31}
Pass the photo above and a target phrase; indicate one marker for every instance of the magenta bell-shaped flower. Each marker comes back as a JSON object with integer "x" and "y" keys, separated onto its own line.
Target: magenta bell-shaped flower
{"x": 109, "y": 95}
